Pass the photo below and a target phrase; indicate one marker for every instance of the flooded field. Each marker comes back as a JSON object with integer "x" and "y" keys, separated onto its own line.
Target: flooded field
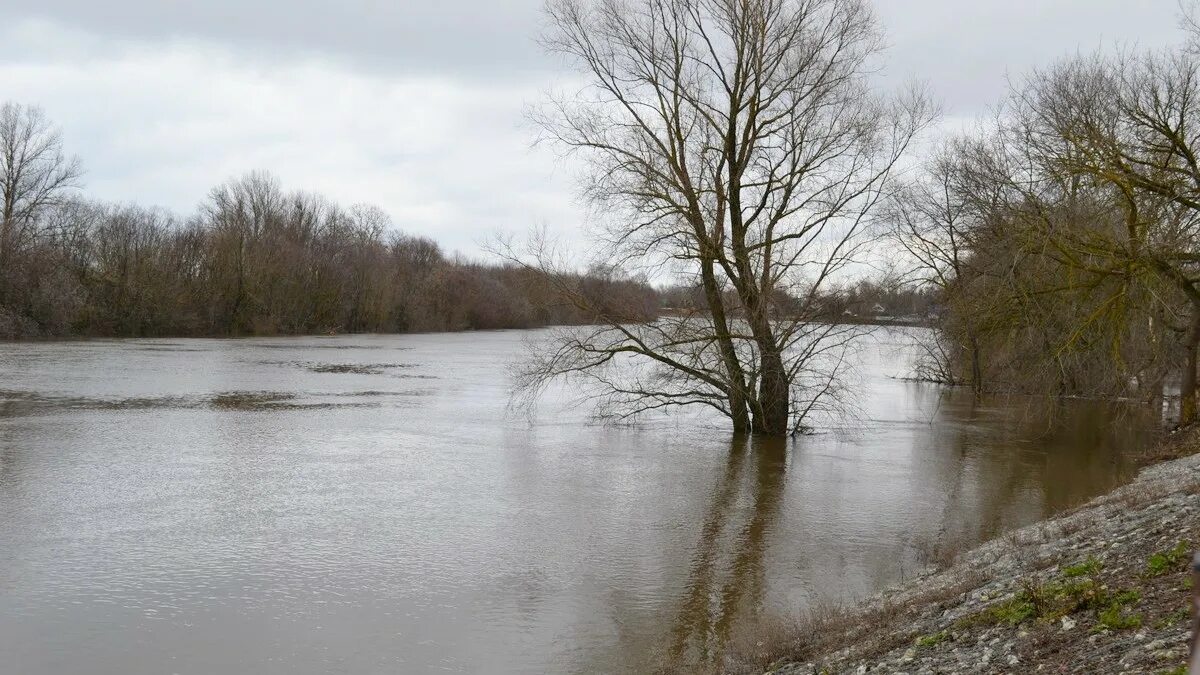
{"x": 371, "y": 504}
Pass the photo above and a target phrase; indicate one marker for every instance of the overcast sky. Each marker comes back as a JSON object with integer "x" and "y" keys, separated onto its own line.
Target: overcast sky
{"x": 414, "y": 105}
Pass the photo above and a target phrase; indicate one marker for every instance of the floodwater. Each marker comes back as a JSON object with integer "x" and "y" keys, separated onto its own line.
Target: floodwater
{"x": 371, "y": 504}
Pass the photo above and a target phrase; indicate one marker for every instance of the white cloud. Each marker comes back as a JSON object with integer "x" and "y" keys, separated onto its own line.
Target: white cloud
{"x": 163, "y": 122}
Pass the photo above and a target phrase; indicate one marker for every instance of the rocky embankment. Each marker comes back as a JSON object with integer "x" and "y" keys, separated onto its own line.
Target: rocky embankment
{"x": 1105, "y": 588}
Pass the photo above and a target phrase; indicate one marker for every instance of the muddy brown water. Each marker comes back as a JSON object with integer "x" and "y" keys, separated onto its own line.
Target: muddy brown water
{"x": 370, "y": 504}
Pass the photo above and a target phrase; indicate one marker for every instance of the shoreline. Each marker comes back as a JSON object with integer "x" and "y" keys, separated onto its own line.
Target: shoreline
{"x": 45, "y": 339}
{"x": 1104, "y": 587}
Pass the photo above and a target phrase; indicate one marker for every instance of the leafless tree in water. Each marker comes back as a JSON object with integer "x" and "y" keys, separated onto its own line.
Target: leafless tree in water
{"x": 737, "y": 145}
{"x": 934, "y": 222}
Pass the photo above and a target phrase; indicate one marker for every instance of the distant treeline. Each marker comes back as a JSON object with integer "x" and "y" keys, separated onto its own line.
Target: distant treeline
{"x": 254, "y": 259}
{"x": 883, "y": 300}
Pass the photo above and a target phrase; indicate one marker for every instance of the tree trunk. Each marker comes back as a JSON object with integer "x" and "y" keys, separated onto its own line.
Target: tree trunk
{"x": 771, "y": 410}
{"x": 739, "y": 411}
{"x": 6, "y": 256}
{"x": 1156, "y": 402}
{"x": 1187, "y": 383}
{"x": 771, "y": 416}
{"x": 976, "y": 366}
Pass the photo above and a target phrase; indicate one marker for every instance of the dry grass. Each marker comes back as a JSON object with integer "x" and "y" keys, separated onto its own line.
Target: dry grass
{"x": 1077, "y": 523}
{"x": 823, "y": 629}
{"x": 827, "y": 628}
{"x": 942, "y": 553}
{"x": 1145, "y": 493}
{"x": 1182, "y": 443}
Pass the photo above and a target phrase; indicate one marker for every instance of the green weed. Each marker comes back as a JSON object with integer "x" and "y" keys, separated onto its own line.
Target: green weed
{"x": 1168, "y": 560}
{"x": 1087, "y": 568}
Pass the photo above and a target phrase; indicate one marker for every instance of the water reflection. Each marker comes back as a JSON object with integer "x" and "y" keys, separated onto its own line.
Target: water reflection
{"x": 726, "y": 572}
{"x": 1007, "y": 460}
{"x": 975, "y": 469}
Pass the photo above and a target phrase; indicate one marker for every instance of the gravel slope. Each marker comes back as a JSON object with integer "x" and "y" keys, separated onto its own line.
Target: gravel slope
{"x": 1102, "y": 589}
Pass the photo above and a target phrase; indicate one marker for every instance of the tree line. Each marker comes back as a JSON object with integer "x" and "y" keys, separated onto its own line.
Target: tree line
{"x": 254, "y": 259}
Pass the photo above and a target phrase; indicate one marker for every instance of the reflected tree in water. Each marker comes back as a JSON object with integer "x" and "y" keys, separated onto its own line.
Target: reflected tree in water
{"x": 727, "y": 578}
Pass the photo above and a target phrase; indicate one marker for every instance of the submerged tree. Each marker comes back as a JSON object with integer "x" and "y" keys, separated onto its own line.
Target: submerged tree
{"x": 737, "y": 144}
{"x": 935, "y": 221}
{"x": 1119, "y": 135}
{"x": 1063, "y": 240}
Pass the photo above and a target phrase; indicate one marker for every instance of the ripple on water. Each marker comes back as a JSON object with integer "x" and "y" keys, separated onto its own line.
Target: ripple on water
{"x": 31, "y": 403}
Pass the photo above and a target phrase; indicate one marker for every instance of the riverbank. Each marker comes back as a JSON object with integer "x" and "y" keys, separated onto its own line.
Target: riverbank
{"x": 1101, "y": 589}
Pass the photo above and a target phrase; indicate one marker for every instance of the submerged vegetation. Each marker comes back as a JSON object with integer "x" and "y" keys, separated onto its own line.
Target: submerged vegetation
{"x": 1062, "y": 237}
{"x": 22, "y": 403}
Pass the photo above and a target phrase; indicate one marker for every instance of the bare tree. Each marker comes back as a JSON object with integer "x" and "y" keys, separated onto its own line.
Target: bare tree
{"x": 34, "y": 175}
{"x": 934, "y": 220}
{"x": 738, "y": 145}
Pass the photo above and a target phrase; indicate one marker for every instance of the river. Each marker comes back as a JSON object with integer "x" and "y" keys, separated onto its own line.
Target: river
{"x": 372, "y": 504}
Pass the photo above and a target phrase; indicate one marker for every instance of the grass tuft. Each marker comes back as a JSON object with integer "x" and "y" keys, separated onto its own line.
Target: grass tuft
{"x": 1050, "y": 601}
{"x": 1087, "y": 568}
{"x": 1178, "y": 616}
{"x": 1166, "y": 561}
{"x": 933, "y": 639}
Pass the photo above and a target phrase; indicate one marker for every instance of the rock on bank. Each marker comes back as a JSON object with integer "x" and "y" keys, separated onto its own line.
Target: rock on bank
{"x": 1102, "y": 589}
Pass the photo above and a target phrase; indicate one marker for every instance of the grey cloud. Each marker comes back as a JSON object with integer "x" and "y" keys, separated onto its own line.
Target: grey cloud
{"x": 491, "y": 38}
{"x": 965, "y": 49}
{"x": 163, "y": 98}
